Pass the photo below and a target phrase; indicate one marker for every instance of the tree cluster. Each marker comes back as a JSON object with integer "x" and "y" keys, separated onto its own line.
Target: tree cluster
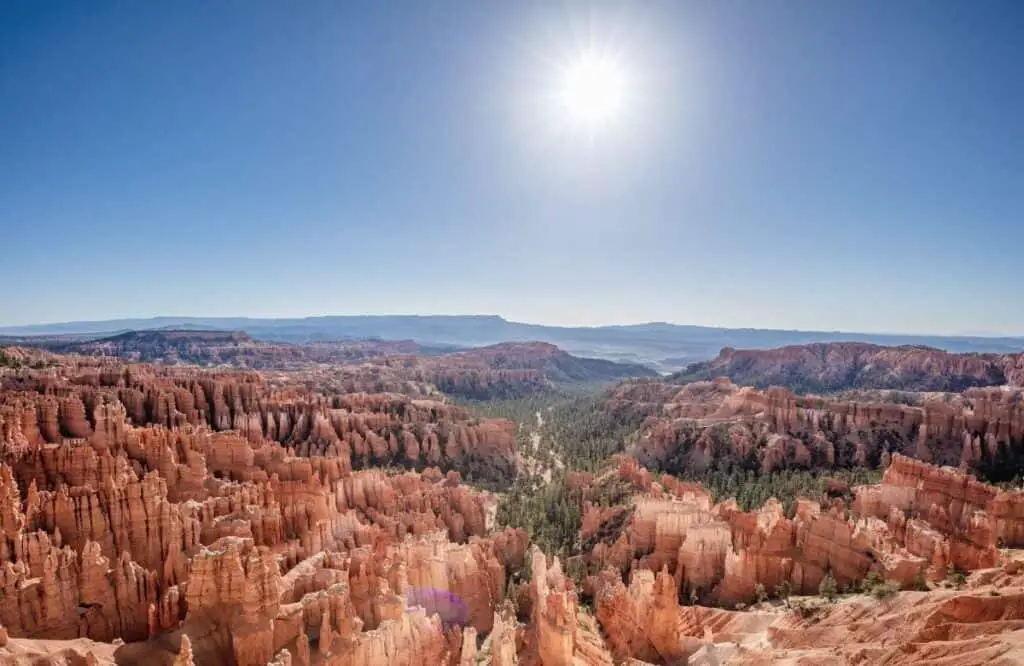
{"x": 752, "y": 489}
{"x": 550, "y": 513}
{"x": 584, "y": 434}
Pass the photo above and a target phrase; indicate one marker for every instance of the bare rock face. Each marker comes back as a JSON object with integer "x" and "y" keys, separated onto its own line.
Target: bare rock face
{"x": 560, "y": 632}
{"x": 359, "y": 429}
{"x": 511, "y": 369}
{"x": 920, "y": 522}
{"x": 384, "y": 603}
{"x": 624, "y": 614}
{"x": 185, "y": 657}
{"x": 503, "y": 638}
{"x": 412, "y": 639}
{"x": 646, "y": 622}
{"x": 946, "y": 517}
{"x": 979, "y": 625}
{"x": 842, "y": 365}
{"x": 703, "y": 424}
{"x": 234, "y": 588}
{"x": 554, "y": 612}
{"x": 79, "y": 652}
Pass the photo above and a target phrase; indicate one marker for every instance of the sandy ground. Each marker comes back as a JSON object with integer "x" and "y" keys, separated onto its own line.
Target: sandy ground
{"x": 34, "y": 652}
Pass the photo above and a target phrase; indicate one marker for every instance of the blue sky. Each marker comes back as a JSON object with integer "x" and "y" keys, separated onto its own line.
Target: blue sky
{"x": 822, "y": 165}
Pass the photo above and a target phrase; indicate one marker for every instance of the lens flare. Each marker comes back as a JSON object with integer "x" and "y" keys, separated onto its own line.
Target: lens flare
{"x": 593, "y": 90}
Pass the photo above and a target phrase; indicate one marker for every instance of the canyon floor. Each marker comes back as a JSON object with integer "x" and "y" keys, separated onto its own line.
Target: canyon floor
{"x": 196, "y": 498}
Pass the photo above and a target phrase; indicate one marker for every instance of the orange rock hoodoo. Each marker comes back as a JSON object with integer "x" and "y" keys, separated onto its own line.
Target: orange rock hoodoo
{"x": 236, "y": 518}
{"x": 137, "y": 501}
{"x": 920, "y": 522}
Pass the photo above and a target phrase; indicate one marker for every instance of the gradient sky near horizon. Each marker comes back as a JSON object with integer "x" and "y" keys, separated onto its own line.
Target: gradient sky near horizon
{"x": 844, "y": 165}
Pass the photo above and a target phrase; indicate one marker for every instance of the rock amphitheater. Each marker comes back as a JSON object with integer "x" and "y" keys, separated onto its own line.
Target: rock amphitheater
{"x": 172, "y": 515}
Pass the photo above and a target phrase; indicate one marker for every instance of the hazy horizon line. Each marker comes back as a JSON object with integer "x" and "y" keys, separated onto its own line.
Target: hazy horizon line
{"x": 507, "y": 319}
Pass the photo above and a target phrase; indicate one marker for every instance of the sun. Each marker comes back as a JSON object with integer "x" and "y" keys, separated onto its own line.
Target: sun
{"x": 593, "y": 90}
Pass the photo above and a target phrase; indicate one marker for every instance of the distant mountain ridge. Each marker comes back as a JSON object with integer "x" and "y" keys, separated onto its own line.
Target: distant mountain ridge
{"x": 827, "y": 367}
{"x": 666, "y": 347}
{"x": 233, "y": 348}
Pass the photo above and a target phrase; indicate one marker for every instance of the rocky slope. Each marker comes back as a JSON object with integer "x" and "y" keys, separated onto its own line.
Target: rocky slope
{"x": 231, "y": 348}
{"x": 499, "y": 371}
{"x": 715, "y": 424}
{"x": 982, "y": 624}
{"x": 511, "y": 370}
{"x": 922, "y": 522}
{"x": 171, "y": 515}
{"x": 919, "y": 523}
{"x": 836, "y": 366}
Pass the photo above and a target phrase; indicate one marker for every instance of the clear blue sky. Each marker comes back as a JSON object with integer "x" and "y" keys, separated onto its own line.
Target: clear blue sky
{"x": 828, "y": 165}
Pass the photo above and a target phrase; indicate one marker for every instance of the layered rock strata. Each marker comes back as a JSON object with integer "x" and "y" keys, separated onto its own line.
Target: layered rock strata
{"x": 140, "y": 502}
{"x": 920, "y": 523}
{"x": 718, "y": 424}
{"x": 842, "y": 365}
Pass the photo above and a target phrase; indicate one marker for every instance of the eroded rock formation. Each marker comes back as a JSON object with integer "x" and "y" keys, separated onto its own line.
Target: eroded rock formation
{"x": 139, "y": 501}
{"x": 497, "y": 371}
{"x": 225, "y": 517}
{"x": 715, "y": 424}
{"x": 835, "y": 366}
{"x": 919, "y": 523}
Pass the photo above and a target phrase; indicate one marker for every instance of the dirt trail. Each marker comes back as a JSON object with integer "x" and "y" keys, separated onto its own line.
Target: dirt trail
{"x": 535, "y": 466}
{"x": 535, "y": 434}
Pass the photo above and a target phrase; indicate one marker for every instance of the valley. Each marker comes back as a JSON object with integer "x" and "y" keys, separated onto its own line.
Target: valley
{"x": 192, "y": 497}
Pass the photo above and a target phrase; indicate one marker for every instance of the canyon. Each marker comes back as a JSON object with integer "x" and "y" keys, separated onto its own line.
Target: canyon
{"x": 176, "y": 514}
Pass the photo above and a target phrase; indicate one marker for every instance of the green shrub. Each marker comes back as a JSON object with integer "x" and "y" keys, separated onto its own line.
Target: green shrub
{"x": 828, "y": 587}
{"x": 873, "y": 579}
{"x": 884, "y": 590}
{"x": 957, "y": 577}
{"x": 805, "y": 609}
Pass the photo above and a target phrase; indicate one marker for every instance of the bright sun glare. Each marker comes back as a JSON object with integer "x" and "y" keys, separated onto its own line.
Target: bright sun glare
{"x": 593, "y": 88}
